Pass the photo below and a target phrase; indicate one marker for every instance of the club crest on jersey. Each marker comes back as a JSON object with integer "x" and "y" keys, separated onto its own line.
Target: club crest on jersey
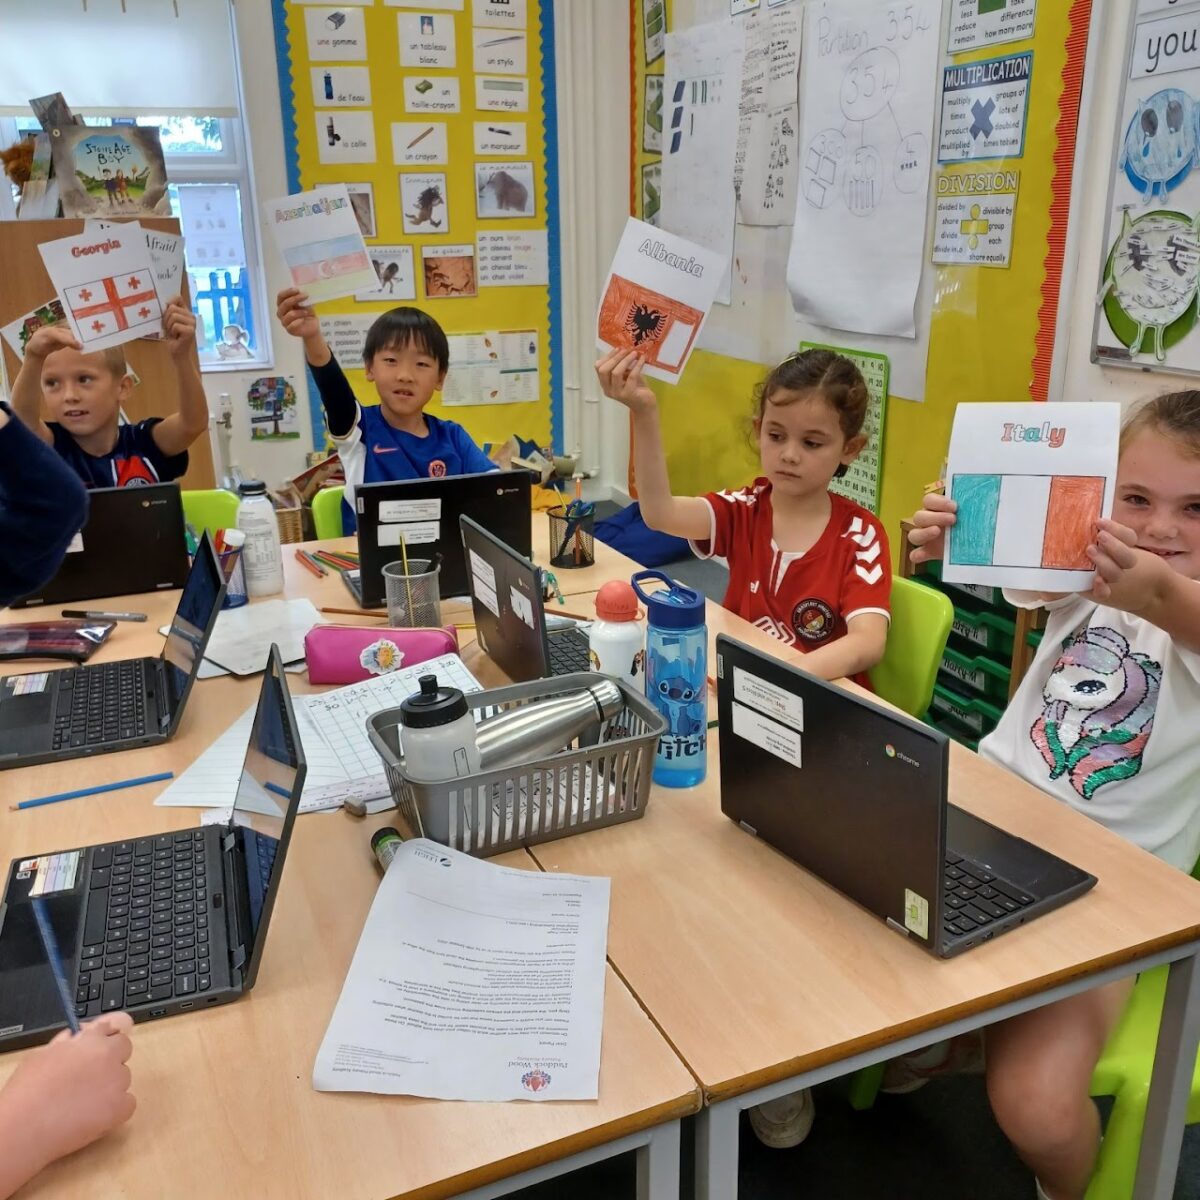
{"x": 813, "y": 621}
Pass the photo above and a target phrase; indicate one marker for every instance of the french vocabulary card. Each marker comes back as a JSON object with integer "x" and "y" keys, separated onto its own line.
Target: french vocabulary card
{"x": 657, "y": 296}
{"x": 1030, "y": 481}
{"x": 106, "y": 281}
{"x": 320, "y": 240}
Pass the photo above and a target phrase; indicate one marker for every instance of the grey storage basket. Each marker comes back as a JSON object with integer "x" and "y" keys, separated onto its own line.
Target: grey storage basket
{"x": 579, "y": 788}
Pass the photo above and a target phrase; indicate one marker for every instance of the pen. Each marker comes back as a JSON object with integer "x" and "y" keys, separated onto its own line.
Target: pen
{"x": 87, "y": 614}
{"x": 52, "y": 957}
{"x": 92, "y": 791}
{"x": 501, "y": 132}
{"x": 502, "y": 41}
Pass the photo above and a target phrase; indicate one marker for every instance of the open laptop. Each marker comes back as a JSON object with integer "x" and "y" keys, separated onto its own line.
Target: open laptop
{"x": 47, "y": 716}
{"x": 856, "y": 794}
{"x": 510, "y": 616}
{"x": 133, "y": 542}
{"x": 158, "y": 925}
{"x": 426, "y": 512}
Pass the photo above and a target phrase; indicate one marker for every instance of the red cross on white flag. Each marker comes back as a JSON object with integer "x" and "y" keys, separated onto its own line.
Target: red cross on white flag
{"x": 111, "y": 304}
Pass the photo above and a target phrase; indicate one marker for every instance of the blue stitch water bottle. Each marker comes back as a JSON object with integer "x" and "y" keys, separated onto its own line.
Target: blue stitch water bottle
{"x": 677, "y": 677}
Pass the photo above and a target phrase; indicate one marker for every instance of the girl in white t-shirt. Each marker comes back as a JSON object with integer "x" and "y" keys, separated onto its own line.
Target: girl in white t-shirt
{"x": 1105, "y": 721}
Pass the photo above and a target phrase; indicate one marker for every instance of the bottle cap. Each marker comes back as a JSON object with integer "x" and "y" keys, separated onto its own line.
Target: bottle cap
{"x": 252, "y": 487}
{"x": 675, "y": 607}
{"x": 432, "y": 705}
{"x": 616, "y": 601}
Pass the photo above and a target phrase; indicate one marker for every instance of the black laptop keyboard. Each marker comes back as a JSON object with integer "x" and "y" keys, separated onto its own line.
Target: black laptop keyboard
{"x": 146, "y": 930}
{"x": 975, "y": 897}
{"x": 568, "y": 652}
{"x": 266, "y": 859}
{"x": 104, "y": 703}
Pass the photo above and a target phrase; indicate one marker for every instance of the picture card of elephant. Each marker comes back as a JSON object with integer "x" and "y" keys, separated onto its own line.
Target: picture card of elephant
{"x": 505, "y": 189}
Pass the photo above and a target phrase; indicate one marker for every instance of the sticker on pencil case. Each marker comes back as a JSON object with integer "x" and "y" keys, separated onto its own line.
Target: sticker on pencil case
{"x": 916, "y": 913}
{"x": 381, "y": 657}
{"x": 56, "y": 873}
{"x": 28, "y": 685}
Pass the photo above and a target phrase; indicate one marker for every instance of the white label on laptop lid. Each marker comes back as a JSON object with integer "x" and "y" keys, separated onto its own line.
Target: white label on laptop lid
{"x": 429, "y": 509}
{"x": 482, "y": 571}
{"x": 522, "y": 606}
{"x": 769, "y": 698}
{"x": 767, "y": 734}
{"x": 56, "y": 873}
{"x": 415, "y": 533}
{"x": 916, "y": 914}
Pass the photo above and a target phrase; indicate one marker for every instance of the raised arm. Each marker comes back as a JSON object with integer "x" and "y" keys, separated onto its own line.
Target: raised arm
{"x": 175, "y": 433}
{"x": 620, "y": 375}
{"x": 300, "y": 320}
{"x": 27, "y": 387}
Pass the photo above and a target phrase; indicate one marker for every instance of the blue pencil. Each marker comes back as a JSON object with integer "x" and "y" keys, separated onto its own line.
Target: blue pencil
{"x": 93, "y": 791}
{"x": 56, "y": 967}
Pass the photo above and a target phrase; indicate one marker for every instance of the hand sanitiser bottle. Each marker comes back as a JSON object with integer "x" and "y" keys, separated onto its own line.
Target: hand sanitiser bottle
{"x": 677, "y": 677}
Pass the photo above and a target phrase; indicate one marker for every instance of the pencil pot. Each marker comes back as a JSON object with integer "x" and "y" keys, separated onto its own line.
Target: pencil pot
{"x": 413, "y": 600}
{"x": 572, "y": 537}
{"x": 600, "y": 777}
{"x": 235, "y": 577}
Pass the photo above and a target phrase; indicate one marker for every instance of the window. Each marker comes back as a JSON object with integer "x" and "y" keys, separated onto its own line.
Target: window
{"x": 209, "y": 172}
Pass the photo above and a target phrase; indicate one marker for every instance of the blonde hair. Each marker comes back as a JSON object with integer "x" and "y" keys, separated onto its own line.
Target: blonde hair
{"x": 1176, "y": 415}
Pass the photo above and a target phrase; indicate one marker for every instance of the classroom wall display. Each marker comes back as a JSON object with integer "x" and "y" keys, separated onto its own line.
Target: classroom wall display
{"x": 273, "y": 410}
{"x": 987, "y": 302}
{"x": 1146, "y": 308}
{"x": 455, "y": 188}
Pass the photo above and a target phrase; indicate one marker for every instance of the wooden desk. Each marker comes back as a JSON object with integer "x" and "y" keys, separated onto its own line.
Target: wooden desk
{"x": 225, "y": 1100}
{"x": 766, "y": 980}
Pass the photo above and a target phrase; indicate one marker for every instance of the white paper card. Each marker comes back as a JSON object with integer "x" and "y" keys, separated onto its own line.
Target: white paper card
{"x": 18, "y": 332}
{"x": 431, "y": 94}
{"x": 444, "y": 929}
{"x": 427, "y": 509}
{"x": 499, "y": 14}
{"x": 345, "y": 137}
{"x": 512, "y": 259}
{"x": 767, "y": 697}
{"x": 341, "y": 86}
{"x": 416, "y": 143}
{"x": 346, "y": 334}
{"x": 335, "y": 34}
{"x": 241, "y": 639}
{"x": 393, "y": 266}
{"x": 779, "y": 740}
{"x": 499, "y": 137}
{"x": 657, "y": 297}
{"x": 502, "y": 93}
{"x": 107, "y": 284}
{"x": 413, "y": 533}
{"x": 319, "y": 238}
{"x": 166, "y": 252}
{"x": 866, "y": 118}
{"x": 426, "y": 40}
{"x": 1031, "y": 481}
{"x": 499, "y": 53}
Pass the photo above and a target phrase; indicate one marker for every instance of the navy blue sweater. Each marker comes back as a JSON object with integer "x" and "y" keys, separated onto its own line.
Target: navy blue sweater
{"x": 43, "y": 505}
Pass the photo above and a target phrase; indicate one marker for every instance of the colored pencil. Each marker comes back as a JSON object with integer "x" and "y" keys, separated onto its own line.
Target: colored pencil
{"x": 92, "y": 791}
{"x": 407, "y": 577}
{"x": 50, "y": 945}
{"x": 419, "y": 137}
{"x": 310, "y": 565}
{"x": 333, "y": 560}
{"x": 357, "y": 612}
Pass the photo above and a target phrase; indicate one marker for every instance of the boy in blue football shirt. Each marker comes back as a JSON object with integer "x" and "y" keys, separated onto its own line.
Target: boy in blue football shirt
{"x": 406, "y": 357}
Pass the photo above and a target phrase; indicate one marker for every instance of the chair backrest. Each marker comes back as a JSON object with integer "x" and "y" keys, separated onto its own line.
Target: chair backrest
{"x": 921, "y": 619}
{"x": 327, "y": 513}
{"x": 212, "y": 509}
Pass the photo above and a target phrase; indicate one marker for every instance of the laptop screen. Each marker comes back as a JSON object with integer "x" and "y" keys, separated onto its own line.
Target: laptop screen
{"x": 267, "y": 798}
{"x": 192, "y": 624}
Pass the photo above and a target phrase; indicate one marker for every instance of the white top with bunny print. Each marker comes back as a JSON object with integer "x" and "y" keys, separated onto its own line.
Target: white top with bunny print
{"x": 1106, "y": 719}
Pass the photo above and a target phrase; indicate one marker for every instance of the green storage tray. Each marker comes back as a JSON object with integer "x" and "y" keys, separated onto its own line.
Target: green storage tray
{"x": 982, "y": 592}
{"x": 953, "y": 730}
{"x": 984, "y": 631}
{"x": 977, "y": 675}
{"x": 970, "y": 712}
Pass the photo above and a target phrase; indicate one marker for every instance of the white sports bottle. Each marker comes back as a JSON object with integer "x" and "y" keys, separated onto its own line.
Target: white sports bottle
{"x": 438, "y": 734}
{"x": 617, "y": 639}
{"x": 263, "y": 555}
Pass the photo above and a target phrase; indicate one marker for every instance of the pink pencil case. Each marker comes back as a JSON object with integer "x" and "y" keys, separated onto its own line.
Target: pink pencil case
{"x": 350, "y": 653}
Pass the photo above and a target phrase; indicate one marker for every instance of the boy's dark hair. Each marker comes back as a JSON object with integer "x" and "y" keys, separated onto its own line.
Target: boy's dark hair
{"x": 834, "y": 376}
{"x": 397, "y": 327}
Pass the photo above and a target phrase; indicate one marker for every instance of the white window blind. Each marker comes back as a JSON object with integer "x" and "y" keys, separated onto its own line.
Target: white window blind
{"x": 108, "y": 62}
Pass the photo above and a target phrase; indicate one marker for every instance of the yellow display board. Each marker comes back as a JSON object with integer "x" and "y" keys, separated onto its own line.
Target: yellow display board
{"x": 991, "y": 328}
{"x": 377, "y": 73}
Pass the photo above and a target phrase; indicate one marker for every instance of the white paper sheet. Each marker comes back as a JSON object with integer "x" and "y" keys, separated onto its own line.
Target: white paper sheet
{"x": 319, "y": 238}
{"x": 866, "y": 126}
{"x": 700, "y": 133}
{"x": 657, "y": 297}
{"x": 242, "y": 637}
{"x": 342, "y": 763}
{"x": 107, "y": 284}
{"x": 1030, "y": 480}
{"x": 18, "y": 332}
{"x": 472, "y": 982}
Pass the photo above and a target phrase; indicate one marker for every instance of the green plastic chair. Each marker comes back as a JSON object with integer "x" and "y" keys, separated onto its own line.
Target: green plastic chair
{"x": 212, "y": 509}
{"x": 1123, "y": 1072}
{"x": 327, "y": 513}
{"x": 921, "y": 619}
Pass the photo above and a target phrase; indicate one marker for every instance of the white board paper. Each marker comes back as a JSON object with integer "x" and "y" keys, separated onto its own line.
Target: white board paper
{"x": 657, "y": 297}
{"x": 335, "y": 34}
{"x": 340, "y": 86}
{"x": 319, "y": 238}
{"x": 512, "y": 259}
{"x": 393, "y": 266}
{"x": 499, "y": 137}
{"x": 1030, "y": 481}
{"x": 427, "y": 40}
{"x": 700, "y": 132}
{"x": 866, "y": 127}
{"x": 419, "y": 143}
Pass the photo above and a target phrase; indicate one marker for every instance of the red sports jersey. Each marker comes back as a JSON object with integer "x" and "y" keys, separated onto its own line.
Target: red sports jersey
{"x": 805, "y": 599}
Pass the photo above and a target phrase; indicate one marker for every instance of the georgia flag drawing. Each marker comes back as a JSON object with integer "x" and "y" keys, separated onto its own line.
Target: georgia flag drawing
{"x": 114, "y": 303}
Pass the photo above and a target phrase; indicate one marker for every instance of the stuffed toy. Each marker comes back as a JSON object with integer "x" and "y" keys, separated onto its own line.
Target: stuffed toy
{"x": 18, "y": 161}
